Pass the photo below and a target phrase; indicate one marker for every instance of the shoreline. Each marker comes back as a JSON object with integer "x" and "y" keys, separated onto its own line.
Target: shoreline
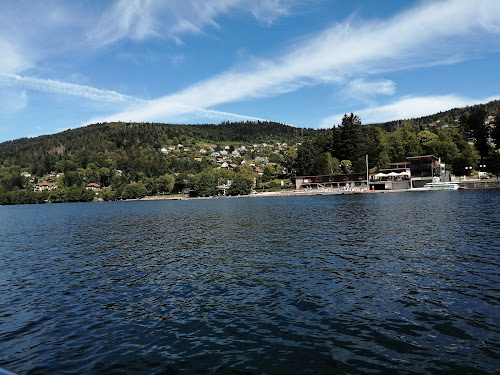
{"x": 469, "y": 185}
{"x": 485, "y": 184}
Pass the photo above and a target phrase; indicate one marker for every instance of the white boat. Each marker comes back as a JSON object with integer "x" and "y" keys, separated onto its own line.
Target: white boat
{"x": 441, "y": 186}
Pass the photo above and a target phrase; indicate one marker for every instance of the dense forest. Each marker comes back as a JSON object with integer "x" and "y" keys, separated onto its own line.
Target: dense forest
{"x": 129, "y": 160}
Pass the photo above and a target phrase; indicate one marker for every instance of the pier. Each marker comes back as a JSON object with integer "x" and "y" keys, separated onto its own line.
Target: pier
{"x": 481, "y": 184}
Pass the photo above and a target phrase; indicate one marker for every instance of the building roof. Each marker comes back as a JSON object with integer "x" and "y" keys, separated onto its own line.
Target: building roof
{"x": 422, "y": 157}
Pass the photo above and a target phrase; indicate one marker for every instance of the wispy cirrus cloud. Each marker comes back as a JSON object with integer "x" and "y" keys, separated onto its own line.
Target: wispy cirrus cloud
{"x": 407, "y": 108}
{"x": 349, "y": 56}
{"x": 65, "y": 88}
{"x": 343, "y": 53}
{"x": 177, "y": 111}
{"x": 138, "y": 20}
{"x": 37, "y": 30}
{"x": 12, "y": 100}
{"x": 362, "y": 88}
{"x": 31, "y": 31}
{"x": 12, "y": 60}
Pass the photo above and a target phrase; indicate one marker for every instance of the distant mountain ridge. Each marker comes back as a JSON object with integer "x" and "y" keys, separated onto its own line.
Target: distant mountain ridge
{"x": 492, "y": 108}
{"x": 104, "y": 137}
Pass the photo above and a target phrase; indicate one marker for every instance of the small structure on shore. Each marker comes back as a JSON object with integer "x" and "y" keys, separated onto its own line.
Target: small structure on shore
{"x": 395, "y": 177}
{"x": 415, "y": 172}
{"x": 334, "y": 182}
{"x": 427, "y": 169}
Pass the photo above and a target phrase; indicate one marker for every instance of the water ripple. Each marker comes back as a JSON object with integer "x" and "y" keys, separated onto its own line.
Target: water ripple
{"x": 390, "y": 283}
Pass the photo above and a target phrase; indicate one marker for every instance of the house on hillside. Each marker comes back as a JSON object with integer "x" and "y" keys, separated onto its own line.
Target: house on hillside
{"x": 47, "y": 185}
{"x": 96, "y": 188}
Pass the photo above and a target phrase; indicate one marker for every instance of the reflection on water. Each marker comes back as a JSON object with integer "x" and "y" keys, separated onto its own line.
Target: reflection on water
{"x": 388, "y": 283}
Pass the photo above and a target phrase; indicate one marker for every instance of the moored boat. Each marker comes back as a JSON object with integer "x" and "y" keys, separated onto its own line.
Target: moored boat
{"x": 441, "y": 186}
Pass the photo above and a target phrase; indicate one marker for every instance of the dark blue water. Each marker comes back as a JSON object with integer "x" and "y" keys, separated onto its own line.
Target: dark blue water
{"x": 405, "y": 283}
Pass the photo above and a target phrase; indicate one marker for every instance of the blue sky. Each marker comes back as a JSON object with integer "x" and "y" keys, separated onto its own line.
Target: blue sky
{"x": 67, "y": 64}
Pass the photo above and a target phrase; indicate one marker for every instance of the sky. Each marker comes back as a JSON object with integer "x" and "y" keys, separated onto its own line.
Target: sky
{"x": 66, "y": 64}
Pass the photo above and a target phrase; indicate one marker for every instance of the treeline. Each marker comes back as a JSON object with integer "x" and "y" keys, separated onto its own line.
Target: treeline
{"x": 41, "y": 152}
{"x": 446, "y": 118}
{"x": 470, "y": 143}
{"x": 126, "y": 160}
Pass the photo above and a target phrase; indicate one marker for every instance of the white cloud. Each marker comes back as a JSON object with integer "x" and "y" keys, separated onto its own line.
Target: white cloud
{"x": 38, "y": 30}
{"x": 64, "y": 88}
{"x": 344, "y": 55}
{"x": 12, "y": 101}
{"x": 174, "y": 113}
{"x": 12, "y": 60}
{"x": 407, "y": 108}
{"x": 13, "y": 93}
{"x": 360, "y": 87}
{"x": 345, "y": 51}
{"x": 138, "y": 20}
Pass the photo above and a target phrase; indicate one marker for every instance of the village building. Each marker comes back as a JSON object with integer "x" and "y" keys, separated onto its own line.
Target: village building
{"x": 338, "y": 182}
{"x": 47, "y": 185}
{"x": 427, "y": 169}
{"x": 413, "y": 173}
{"x": 96, "y": 188}
{"x": 395, "y": 177}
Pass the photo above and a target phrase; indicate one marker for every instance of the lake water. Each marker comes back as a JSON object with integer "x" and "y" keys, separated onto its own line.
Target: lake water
{"x": 403, "y": 283}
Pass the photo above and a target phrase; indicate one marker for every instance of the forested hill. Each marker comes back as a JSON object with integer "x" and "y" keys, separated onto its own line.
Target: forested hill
{"x": 130, "y": 160}
{"x": 443, "y": 118}
{"x": 112, "y": 136}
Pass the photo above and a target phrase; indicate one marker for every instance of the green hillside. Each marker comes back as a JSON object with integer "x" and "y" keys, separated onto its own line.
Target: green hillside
{"x": 128, "y": 160}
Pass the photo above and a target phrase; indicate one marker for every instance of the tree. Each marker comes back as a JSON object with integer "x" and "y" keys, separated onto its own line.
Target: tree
{"x": 104, "y": 176}
{"x": 72, "y": 178}
{"x": 311, "y": 160}
{"x": 479, "y": 130}
{"x": 333, "y": 164}
{"x": 494, "y": 164}
{"x": 205, "y": 185}
{"x": 428, "y": 141}
{"x": 165, "y": 183}
{"x": 246, "y": 172}
{"x": 346, "y": 166}
{"x": 495, "y": 133}
{"x": 349, "y": 139}
{"x": 181, "y": 182}
{"x": 467, "y": 158}
{"x": 77, "y": 194}
{"x": 134, "y": 190}
{"x": 269, "y": 172}
{"x": 409, "y": 136}
{"x": 375, "y": 141}
{"x": 240, "y": 186}
{"x": 107, "y": 194}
